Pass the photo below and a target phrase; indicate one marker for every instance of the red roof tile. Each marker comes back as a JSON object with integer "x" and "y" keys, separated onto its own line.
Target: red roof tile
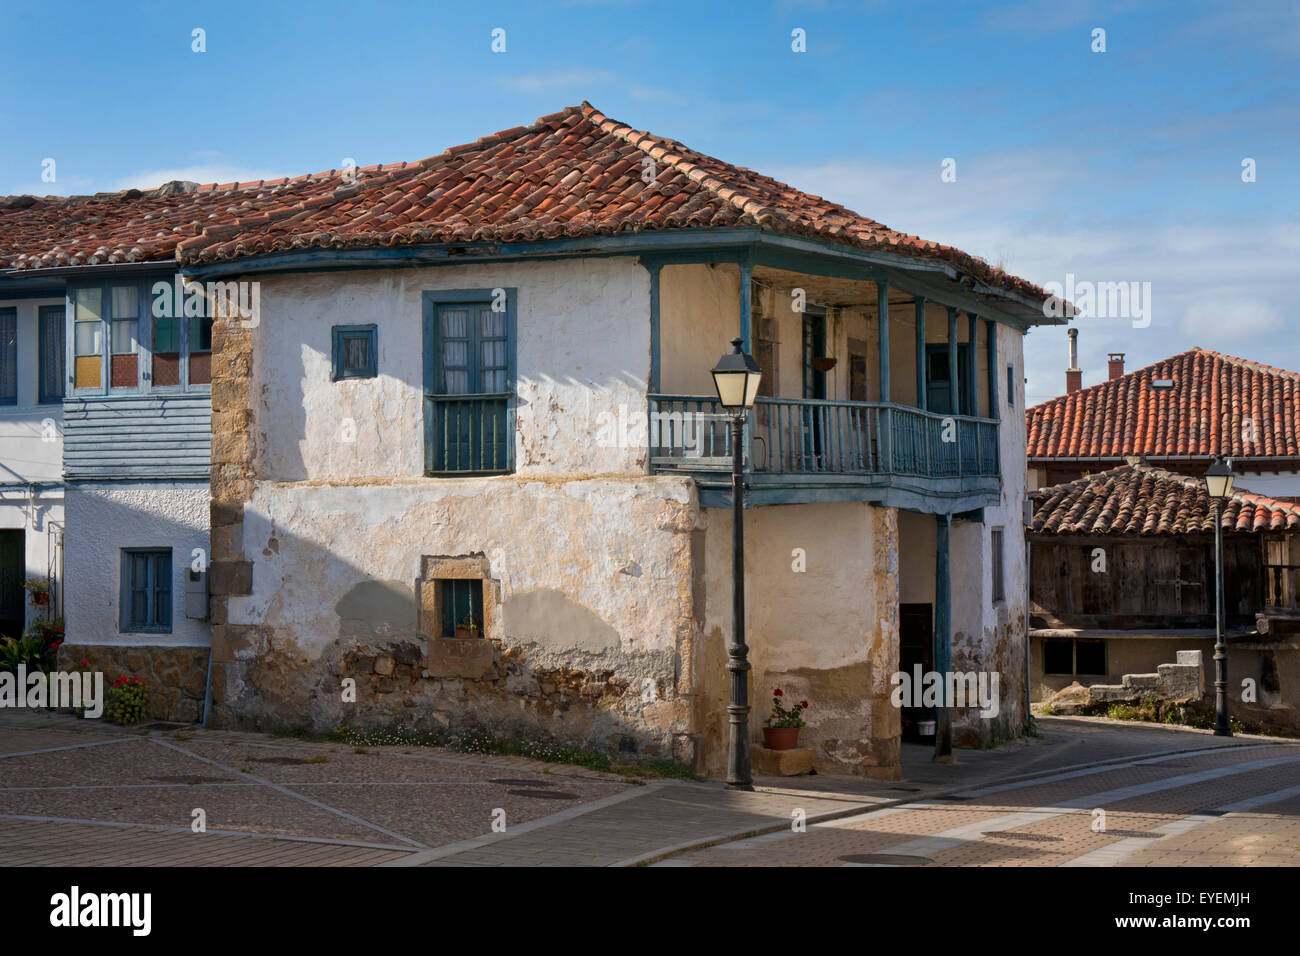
{"x": 570, "y": 174}
{"x": 1142, "y": 500}
{"x": 1219, "y": 405}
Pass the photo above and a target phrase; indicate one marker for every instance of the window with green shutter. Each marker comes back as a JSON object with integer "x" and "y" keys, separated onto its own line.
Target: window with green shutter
{"x": 469, "y": 362}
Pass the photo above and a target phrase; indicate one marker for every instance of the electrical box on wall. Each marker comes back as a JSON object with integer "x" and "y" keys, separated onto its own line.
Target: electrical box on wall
{"x": 196, "y": 594}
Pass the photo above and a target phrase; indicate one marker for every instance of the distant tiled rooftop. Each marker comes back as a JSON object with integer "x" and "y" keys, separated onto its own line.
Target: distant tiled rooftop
{"x": 1143, "y": 500}
{"x": 1219, "y": 405}
{"x": 571, "y": 174}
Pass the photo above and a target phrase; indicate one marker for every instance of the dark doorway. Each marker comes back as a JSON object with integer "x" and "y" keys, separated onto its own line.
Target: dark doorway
{"x": 915, "y": 646}
{"x": 938, "y": 389}
{"x": 12, "y": 598}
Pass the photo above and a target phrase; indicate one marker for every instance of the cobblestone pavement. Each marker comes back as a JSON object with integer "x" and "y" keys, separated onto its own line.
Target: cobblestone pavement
{"x": 76, "y": 797}
{"x": 1238, "y": 806}
{"x": 72, "y": 793}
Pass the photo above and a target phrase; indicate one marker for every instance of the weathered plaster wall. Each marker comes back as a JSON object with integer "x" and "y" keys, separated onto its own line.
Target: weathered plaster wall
{"x": 699, "y": 314}
{"x": 322, "y": 548}
{"x": 583, "y": 355}
{"x": 990, "y": 635}
{"x": 594, "y": 578}
{"x": 105, "y": 518}
{"x": 828, "y": 634}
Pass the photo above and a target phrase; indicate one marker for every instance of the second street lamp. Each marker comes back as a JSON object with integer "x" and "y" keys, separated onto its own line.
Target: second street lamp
{"x": 736, "y": 378}
{"x": 1218, "y": 485}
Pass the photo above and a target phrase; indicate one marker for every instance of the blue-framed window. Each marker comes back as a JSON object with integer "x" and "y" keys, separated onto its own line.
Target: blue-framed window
{"x": 146, "y": 599}
{"x": 355, "y": 351}
{"x": 8, "y": 356}
{"x": 53, "y": 337}
{"x": 469, "y": 381}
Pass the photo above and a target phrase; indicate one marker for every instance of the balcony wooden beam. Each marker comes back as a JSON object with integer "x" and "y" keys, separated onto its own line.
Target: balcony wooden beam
{"x": 920, "y": 352}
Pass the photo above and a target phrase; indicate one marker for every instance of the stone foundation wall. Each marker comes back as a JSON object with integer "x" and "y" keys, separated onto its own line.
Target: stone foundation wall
{"x": 177, "y": 676}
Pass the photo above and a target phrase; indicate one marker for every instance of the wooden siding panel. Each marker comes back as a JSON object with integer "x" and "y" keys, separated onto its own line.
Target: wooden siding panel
{"x": 137, "y": 436}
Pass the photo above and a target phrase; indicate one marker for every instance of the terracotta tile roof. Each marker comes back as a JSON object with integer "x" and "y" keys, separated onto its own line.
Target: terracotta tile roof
{"x": 1219, "y": 405}
{"x": 573, "y": 173}
{"x": 1143, "y": 500}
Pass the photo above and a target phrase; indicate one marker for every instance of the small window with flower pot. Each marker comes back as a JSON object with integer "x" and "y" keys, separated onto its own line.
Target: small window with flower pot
{"x": 458, "y": 598}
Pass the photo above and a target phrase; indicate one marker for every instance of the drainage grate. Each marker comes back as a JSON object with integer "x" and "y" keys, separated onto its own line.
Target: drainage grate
{"x": 1015, "y": 835}
{"x": 544, "y": 794}
{"x": 888, "y": 859}
{"x": 1134, "y": 834}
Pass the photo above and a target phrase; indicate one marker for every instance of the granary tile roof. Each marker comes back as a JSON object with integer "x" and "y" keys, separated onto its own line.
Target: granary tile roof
{"x": 573, "y": 173}
{"x": 1143, "y": 500}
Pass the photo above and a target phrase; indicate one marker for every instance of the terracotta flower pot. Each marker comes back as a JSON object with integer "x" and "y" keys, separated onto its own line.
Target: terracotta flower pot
{"x": 41, "y": 598}
{"x": 780, "y": 738}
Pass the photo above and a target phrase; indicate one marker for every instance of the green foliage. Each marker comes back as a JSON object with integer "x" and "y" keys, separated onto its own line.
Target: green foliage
{"x": 126, "y": 700}
{"x": 30, "y": 650}
{"x": 485, "y": 743}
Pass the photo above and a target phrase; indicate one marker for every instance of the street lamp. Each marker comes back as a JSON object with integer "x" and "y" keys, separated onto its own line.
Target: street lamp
{"x": 1218, "y": 484}
{"x": 736, "y": 378}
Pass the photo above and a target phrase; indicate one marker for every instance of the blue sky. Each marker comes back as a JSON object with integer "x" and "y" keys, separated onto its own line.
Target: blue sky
{"x": 1115, "y": 166}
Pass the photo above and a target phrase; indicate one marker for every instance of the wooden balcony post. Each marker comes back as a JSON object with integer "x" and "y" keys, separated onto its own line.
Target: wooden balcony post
{"x": 943, "y": 631}
{"x": 973, "y": 360}
{"x": 882, "y": 314}
{"x": 654, "y": 268}
{"x": 991, "y": 327}
{"x": 954, "y": 393}
{"x": 920, "y": 352}
{"x": 882, "y": 348}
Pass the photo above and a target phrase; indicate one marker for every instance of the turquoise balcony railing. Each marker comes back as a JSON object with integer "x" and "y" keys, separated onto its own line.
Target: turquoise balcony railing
{"x": 815, "y": 436}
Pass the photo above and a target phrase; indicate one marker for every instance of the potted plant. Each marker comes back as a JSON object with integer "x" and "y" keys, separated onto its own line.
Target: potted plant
{"x": 39, "y": 589}
{"x": 467, "y": 628}
{"x": 781, "y": 732}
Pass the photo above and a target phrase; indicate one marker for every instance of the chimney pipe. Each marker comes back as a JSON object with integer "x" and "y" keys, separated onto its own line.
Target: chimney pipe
{"x": 1116, "y": 365}
{"x": 1073, "y": 374}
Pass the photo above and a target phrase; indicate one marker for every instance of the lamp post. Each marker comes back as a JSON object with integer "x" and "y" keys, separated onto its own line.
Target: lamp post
{"x": 1218, "y": 484}
{"x": 736, "y": 378}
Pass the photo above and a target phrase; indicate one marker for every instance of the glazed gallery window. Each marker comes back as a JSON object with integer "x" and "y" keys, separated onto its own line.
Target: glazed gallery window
{"x": 469, "y": 363}
{"x": 146, "y": 594}
{"x": 120, "y": 345}
{"x": 8, "y": 356}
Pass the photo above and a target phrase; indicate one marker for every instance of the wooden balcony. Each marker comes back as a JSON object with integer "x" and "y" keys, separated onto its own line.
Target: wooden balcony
{"x": 802, "y": 450}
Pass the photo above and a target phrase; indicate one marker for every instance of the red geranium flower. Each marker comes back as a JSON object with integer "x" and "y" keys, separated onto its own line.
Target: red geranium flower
{"x": 803, "y": 704}
{"x": 777, "y": 693}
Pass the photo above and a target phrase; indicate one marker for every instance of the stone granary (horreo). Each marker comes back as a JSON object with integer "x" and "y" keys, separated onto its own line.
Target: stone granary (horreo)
{"x": 464, "y": 449}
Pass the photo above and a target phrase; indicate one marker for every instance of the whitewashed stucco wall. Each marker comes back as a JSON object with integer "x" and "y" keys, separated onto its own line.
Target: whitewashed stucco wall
{"x": 104, "y": 518}
{"x": 583, "y": 356}
{"x": 31, "y": 452}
